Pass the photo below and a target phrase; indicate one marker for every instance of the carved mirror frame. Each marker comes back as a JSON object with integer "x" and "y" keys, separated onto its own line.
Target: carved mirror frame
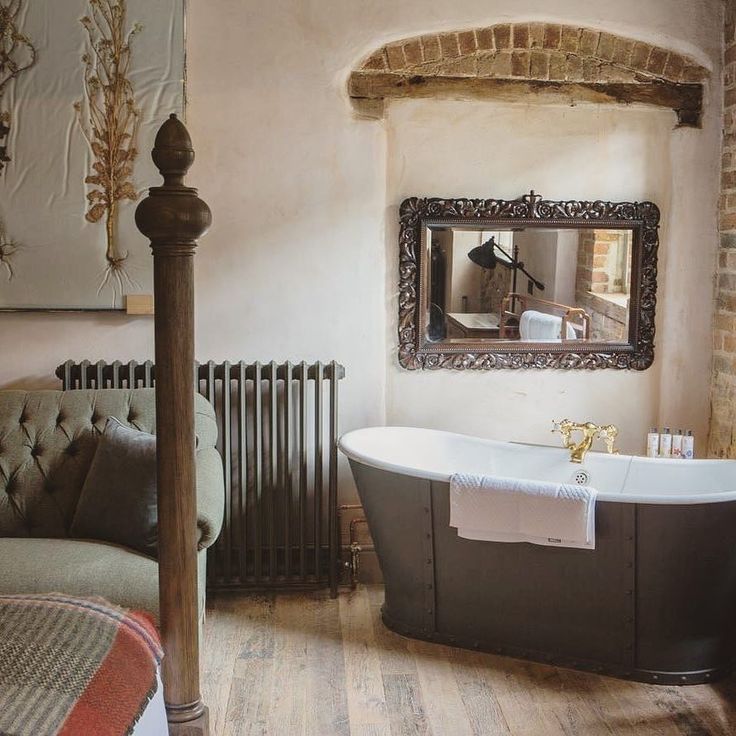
{"x": 417, "y": 214}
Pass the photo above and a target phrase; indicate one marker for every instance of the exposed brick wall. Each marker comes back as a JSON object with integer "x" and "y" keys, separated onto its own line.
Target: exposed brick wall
{"x": 578, "y": 64}
{"x": 723, "y": 398}
{"x": 534, "y": 51}
{"x": 586, "y": 253}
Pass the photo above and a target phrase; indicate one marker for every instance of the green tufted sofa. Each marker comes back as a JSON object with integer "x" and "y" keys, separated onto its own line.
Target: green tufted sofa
{"x": 47, "y": 441}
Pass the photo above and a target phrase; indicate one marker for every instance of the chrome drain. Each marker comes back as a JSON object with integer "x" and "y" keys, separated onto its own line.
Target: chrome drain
{"x": 581, "y": 477}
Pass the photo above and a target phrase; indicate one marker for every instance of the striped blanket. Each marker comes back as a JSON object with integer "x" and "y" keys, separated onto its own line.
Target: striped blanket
{"x": 73, "y": 667}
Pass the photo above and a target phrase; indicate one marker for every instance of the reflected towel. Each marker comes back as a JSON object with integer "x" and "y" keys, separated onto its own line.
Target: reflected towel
{"x": 542, "y": 326}
{"x": 515, "y": 510}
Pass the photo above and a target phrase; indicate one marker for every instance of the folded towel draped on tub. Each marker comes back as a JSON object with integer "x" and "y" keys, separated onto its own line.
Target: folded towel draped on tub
{"x": 542, "y": 326}
{"x": 495, "y": 509}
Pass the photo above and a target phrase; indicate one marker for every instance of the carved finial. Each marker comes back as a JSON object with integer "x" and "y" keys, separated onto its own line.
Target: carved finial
{"x": 172, "y": 151}
{"x": 173, "y": 215}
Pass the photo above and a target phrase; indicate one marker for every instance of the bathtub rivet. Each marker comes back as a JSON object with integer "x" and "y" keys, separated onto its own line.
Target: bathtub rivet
{"x": 629, "y": 592}
{"x": 683, "y": 678}
{"x": 476, "y": 644}
{"x": 629, "y": 539}
{"x": 429, "y": 610}
{"x": 426, "y": 510}
{"x": 429, "y": 536}
{"x": 429, "y": 561}
{"x": 629, "y": 564}
{"x": 429, "y": 586}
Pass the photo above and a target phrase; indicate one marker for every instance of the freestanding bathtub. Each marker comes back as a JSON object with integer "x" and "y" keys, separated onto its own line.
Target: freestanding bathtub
{"x": 655, "y": 601}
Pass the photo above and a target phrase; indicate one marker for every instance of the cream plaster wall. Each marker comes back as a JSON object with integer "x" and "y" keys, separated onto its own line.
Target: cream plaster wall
{"x": 299, "y": 263}
{"x": 466, "y": 276}
{"x": 485, "y": 149}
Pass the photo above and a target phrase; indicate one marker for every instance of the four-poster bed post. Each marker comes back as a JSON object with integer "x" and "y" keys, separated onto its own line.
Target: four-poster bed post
{"x": 173, "y": 218}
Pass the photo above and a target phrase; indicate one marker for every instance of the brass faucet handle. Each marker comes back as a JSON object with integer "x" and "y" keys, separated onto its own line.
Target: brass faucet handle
{"x": 562, "y": 425}
{"x": 609, "y": 433}
{"x": 565, "y": 428}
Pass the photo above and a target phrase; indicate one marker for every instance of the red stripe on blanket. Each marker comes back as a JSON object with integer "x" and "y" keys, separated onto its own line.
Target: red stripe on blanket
{"x": 119, "y": 690}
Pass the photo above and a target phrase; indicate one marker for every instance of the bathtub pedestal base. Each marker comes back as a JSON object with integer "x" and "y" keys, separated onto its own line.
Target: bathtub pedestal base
{"x": 599, "y": 668}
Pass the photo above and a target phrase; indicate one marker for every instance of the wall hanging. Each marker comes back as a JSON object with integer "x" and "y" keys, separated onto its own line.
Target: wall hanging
{"x": 83, "y": 85}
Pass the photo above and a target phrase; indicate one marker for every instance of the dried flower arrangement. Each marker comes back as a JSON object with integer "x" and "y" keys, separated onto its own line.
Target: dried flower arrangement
{"x": 109, "y": 120}
{"x": 17, "y": 54}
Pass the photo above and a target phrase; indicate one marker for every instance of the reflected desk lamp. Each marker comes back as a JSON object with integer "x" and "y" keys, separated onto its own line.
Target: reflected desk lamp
{"x": 490, "y": 254}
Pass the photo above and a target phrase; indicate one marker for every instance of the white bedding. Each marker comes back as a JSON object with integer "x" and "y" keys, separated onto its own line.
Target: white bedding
{"x": 153, "y": 721}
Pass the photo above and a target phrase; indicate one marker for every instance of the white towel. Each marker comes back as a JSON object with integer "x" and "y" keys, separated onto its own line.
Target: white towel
{"x": 514, "y": 510}
{"x": 535, "y": 325}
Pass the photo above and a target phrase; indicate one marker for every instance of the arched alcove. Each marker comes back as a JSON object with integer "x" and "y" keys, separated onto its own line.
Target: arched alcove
{"x": 512, "y": 61}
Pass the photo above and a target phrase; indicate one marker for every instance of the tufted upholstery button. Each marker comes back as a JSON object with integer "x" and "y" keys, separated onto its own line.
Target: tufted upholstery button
{"x": 61, "y": 418}
{"x": 36, "y": 451}
{"x": 95, "y": 418}
{"x": 71, "y": 450}
{"x": 132, "y": 416}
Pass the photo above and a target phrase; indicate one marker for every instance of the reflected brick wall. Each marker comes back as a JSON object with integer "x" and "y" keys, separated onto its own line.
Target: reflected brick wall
{"x": 609, "y": 321}
{"x": 723, "y": 400}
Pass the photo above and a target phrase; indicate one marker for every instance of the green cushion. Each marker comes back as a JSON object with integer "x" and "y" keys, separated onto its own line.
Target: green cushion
{"x": 118, "y": 500}
{"x": 84, "y": 569}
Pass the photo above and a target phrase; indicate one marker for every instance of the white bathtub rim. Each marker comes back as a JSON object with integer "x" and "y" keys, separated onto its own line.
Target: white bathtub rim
{"x": 349, "y": 445}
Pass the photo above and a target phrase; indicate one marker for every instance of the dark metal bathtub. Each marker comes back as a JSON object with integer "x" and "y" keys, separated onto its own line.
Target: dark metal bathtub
{"x": 655, "y": 601}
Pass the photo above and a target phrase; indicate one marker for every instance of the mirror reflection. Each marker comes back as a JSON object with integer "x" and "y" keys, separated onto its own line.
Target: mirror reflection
{"x": 528, "y": 284}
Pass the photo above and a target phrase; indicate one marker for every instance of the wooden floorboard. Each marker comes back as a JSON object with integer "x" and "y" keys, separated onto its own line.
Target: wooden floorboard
{"x": 303, "y": 664}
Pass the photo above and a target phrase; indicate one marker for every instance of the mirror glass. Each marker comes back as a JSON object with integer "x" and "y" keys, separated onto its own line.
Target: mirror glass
{"x": 528, "y": 284}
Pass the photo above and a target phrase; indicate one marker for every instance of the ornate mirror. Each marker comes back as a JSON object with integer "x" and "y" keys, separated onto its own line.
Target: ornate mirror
{"x": 527, "y": 283}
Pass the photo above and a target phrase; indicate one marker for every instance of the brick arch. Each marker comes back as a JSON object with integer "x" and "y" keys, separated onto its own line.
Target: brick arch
{"x": 512, "y": 60}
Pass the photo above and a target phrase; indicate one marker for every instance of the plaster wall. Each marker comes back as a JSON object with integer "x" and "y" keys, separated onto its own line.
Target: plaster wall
{"x": 538, "y": 253}
{"x": 301, "y": 260}
{"x": 567, "y": 261}
{"x": 486, "y": 149}
{"x": 466, "y": 276}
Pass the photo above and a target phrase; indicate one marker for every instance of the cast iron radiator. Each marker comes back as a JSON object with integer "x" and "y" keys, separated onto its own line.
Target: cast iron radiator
{"x": 278, "y": 441}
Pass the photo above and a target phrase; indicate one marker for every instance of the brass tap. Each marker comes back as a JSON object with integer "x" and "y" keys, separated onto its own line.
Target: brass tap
{"x": 590, "y": 431}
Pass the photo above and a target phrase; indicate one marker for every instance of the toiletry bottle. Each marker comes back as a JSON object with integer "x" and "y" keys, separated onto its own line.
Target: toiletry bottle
{"x": 688, "y": 445}
{"x": 665, "y": 443}
{"x": 653, "y": 442}
{"x": 677, "y": 444}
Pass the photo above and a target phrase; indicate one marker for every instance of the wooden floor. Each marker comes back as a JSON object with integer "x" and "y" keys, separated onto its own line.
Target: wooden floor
{"x": 305, "y": 664}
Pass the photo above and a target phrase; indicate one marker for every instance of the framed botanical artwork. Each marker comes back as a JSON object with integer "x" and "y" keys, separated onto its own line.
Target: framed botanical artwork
{"x": 84, "y": 85}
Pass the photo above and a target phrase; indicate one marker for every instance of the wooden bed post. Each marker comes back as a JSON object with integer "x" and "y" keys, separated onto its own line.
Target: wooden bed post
{"x": 173, "y": 218}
